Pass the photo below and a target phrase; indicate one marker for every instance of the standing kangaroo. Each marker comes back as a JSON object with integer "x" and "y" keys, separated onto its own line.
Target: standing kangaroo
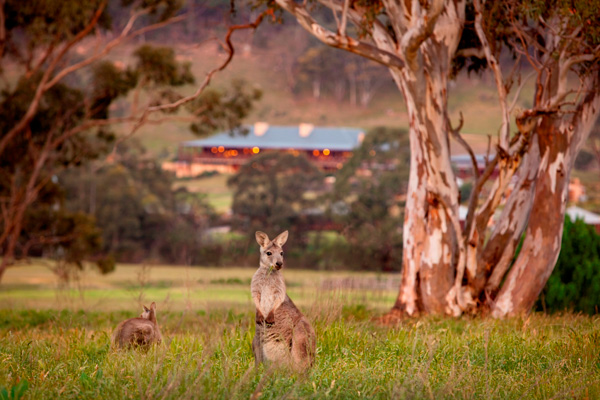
{"x": 283, "y": 334}
{"x": 142, "y": 331}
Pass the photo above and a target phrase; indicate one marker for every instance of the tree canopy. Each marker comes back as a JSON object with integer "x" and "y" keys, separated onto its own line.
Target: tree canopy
{"x": 56, "y": 105}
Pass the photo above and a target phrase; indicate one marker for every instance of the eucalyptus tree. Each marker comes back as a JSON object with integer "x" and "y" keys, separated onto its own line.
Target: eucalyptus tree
{"x": 448, "y": 268}
{"x": 560, "y": 42}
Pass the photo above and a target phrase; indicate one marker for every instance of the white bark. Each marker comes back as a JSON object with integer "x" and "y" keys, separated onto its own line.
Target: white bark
{"x": 560, "y": 141}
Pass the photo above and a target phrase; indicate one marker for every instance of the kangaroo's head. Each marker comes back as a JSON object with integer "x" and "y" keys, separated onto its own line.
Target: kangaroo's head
{"x": 149, "y": 313}
{"x": 271, "y": 252}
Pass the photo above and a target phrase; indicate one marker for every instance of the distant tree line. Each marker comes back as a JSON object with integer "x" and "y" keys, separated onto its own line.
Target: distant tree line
{"x": 347, "y": 220}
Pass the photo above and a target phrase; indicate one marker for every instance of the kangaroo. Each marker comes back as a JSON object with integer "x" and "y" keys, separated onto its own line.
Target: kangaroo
{"x": 138, "y": 332}
{"x": 283, "y": 334}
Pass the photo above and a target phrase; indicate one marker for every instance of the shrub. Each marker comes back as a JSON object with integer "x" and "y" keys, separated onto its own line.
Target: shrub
{"x": 575, "y": 282}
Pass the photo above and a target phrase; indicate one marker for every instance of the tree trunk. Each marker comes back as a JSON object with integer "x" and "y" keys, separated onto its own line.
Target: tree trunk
{"x": 495, "y": 259}
{"x": 431, "y": 246}
{"x": 316, "y": 88}
{"x": 559, "y": 141}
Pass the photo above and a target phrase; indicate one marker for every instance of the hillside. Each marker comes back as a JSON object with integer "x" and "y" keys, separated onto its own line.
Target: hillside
{"x": 474, "y": 96}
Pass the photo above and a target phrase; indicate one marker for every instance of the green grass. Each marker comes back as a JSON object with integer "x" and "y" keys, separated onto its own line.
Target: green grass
{"x": 63, "y": 350}
{"x": 214, "y": 187}
{"x": 179, "y": 288}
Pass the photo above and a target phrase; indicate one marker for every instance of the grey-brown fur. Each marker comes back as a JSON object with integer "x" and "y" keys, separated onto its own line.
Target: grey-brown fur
{"x": 138, "y": 332}
{"x": 283, "y": 334}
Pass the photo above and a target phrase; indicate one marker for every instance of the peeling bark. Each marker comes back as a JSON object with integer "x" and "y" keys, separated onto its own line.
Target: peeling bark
{"x": 559, "y": 142}
{"x": 430, "y": 238}
{"x": 495, "y": 259}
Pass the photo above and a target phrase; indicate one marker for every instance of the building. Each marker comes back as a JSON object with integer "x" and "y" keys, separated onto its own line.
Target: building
{"x": 588, "y": 217}
{"x": 328, "y": 147}
{"x": 463, "y": 165}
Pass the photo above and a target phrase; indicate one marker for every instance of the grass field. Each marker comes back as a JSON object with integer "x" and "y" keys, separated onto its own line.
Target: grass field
{"x": 55, "y": 342}
{"x": 218, "y": 195}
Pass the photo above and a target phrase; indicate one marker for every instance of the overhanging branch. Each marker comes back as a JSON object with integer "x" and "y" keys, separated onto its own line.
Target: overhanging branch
{"x": 335, "y": 40}
{"x": 422, "y": 28}
{"x": 141, "y": 120}
{"x": 493, "y": 64}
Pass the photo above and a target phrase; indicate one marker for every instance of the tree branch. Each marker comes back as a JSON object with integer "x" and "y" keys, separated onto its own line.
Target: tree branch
{"x": 163, "y": 107}
{"x": 334, "y": 40}
{"x": 342, "y": 29}
{"x": 504, "y": 133}
{"x": 41, "y": 88}
{"x": 564, "y": 68}
{"x": 456, "y": 135}
{"x": 378, "y": 32}
{"x": 115, "y": 42}
{"x": 420, "y": 31}
{"x": 2, "y": 28}
{"x": 518, "y": 92}
{"x": 398, "y": 16}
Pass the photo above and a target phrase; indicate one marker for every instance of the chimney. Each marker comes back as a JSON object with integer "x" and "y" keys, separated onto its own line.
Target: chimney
{"x": 260, "y": 128}
{"x": 305, "y": 129}
{"x": 361, "y": 137}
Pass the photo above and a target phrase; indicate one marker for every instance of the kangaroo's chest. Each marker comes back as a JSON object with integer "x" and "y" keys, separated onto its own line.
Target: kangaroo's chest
{"x": 271, "y": 297}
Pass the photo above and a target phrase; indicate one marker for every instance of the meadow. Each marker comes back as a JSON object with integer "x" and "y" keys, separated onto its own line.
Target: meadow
{"x": 55, "y": 341}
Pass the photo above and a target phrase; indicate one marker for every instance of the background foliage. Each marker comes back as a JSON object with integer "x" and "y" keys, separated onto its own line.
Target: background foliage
{"x": 575, "y": 282}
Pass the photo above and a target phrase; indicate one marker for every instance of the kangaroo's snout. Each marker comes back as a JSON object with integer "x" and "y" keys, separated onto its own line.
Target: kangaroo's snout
{"x": 278, "y": 265}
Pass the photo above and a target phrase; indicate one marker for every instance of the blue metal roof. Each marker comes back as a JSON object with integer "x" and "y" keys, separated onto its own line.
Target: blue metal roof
{"x": 286, "y": 137}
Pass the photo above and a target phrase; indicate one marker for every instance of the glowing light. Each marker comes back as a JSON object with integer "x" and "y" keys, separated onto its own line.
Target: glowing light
{"x": 214, "y": 150}
{"x": 234, "y": 153}
{"x": 326, "y": 152}
{"x": 316, "y": 153}
{"x": 255, "y": 150}
{"x": 221, "y": 149}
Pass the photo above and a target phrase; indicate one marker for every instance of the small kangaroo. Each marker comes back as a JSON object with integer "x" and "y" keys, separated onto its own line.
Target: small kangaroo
{"x": 138, "y": 332}
{"x": 283, "y": 334}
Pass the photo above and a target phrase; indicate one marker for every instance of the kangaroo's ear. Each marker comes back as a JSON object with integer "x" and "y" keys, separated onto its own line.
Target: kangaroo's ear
{"x": 262, "y": 238}
{"x": 146, "y": 309}
{"x": 153, "y": 306}
{"x": 281, "y": 239}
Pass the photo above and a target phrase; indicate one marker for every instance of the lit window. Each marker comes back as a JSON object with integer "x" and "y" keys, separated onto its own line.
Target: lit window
{"x": 255, "y": 150}
{"x": 326, "y": 152}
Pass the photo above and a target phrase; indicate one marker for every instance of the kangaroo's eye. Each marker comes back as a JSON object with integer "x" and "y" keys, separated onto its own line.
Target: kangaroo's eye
{"x": 282, "y": 253}
{"x": 269, "y": 253}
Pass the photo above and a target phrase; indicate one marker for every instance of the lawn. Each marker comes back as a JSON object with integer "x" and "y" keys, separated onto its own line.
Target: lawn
{"x": 55, "y": 341}
{"x": 214, "y": 187}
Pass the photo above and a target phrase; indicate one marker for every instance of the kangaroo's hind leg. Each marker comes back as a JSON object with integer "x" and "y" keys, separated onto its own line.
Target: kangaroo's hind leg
{"x": 303, "y": 346}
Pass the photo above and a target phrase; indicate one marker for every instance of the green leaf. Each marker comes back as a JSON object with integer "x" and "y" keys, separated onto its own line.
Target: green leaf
{"x": 19, "y": 390}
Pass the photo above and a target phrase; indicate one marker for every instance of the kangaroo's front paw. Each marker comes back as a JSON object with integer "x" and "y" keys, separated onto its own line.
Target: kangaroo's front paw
{"x": 270, "y": 319}
{"x": 259, "y": 317}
